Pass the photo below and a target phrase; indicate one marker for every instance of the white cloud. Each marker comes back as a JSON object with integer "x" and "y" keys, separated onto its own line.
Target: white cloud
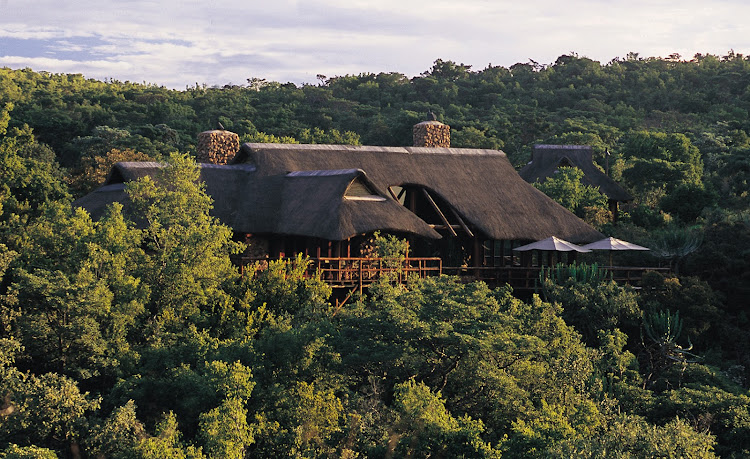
{"x": 87, "y": 68}
{"x": 180, "y": 42}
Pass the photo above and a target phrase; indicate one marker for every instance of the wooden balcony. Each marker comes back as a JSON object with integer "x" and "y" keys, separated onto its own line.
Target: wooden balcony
{"x": 526, "y": 278}
{"x": 358, "y": 273}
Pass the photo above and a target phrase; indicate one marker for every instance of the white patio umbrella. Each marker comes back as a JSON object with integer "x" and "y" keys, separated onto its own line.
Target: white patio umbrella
{"x": 611, "y": 244}
{"x": 552, "y": 244}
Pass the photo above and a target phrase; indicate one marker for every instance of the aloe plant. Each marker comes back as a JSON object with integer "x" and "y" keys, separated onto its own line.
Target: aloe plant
{"x": 662, "y": 329}
{"x": 583, "y": 273}
{"x": 676, "y": 243}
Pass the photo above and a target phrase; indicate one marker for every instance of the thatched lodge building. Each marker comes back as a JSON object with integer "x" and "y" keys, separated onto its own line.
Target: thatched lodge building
{"x": 469, "y": 207}
{"x": 547, "y": 159}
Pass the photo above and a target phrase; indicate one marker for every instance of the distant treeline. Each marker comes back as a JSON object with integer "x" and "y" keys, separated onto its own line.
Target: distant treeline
{"x": 575, "y": 99}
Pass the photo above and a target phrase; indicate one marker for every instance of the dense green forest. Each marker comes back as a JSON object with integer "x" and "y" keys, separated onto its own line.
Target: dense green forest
{"x": 119, "y": 340}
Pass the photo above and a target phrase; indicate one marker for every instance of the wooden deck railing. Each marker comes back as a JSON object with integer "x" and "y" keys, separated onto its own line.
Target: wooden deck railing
{"x": 360, "y": 272}
{"x": 527, "y": 277}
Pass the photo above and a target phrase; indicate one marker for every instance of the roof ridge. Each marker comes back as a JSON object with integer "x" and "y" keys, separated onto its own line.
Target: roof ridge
{"x": 370, "y": 148}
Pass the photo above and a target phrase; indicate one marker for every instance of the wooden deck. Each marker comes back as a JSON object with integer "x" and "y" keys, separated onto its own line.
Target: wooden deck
{"x": 358, "y": 273}
{"x": 526, "y": 279}
{"x": 350, "y": 272}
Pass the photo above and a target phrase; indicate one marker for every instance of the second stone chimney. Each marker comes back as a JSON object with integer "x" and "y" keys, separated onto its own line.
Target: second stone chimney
{"x": 217, "y": 147}
{"x": 432, "y": 133}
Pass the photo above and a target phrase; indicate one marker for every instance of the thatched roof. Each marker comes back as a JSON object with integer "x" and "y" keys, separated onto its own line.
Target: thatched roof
{"x": 309, "y": 203}
{"x": 546, "y": 159}
{"x": 481, "y": 185}
{"x": 307, "y": 190}
{"x": 312, "y": 205}
{"x": 97, "y": 201}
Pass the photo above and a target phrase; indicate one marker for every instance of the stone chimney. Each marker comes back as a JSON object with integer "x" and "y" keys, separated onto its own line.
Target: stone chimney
{"x": 217, "y": 147}
{"x": 432, "y": 133}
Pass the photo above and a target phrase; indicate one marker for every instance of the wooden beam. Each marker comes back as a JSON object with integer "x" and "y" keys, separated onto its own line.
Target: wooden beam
{"x": 445, "y": 227}
{"x": 461, "y": 222}
{"x": 439, "y": 212}
{"x": 393, "y": 195}
{"x": 401, "y": 194}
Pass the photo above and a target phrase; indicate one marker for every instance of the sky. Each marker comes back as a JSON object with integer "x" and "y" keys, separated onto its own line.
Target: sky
{"x": 182, "y": 43}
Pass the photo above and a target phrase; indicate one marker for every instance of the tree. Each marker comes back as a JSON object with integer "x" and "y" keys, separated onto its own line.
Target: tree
{"x": 47, "y": 410}
{"x": 95, "y": 169}
{"x": 29, "y": 177}
{"x": 674, "y": 243}
{"x": 426, "y": 428}
{"x": 491, "y": 356}
{"x": 118, "y": 435}
{"x": 225, "y": 431}
{"x": 333, "y": 136}
{"x": 656, "y": 159}
{"x": 188, "y": 251}
{"x": 167, "y": 444}
{"x": 629, "y": 436}
{"x": 77, "y": 291}
{"x": 104, "y": 139}
{"x": 27, "y": 452}
{"x": 687, "y": 201}
{"x": 566, "y": 188}
{"x": 590, "y": 303}
{"x": 471, "y": 137}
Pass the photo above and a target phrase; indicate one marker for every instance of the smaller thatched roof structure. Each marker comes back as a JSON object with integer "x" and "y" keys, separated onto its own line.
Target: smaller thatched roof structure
{"x": 546, "y": 159}
{"x": 97, "y": 201}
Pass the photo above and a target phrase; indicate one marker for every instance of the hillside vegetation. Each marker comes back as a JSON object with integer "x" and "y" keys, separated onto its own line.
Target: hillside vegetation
{"x": 118, "y": 341}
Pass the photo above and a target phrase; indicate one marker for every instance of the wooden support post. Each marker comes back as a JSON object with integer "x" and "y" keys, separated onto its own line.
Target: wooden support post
{"x": 492, "y": 253}
{"x": 478, "y": 255}
{"x": 439, "y": 212}
{"x": 477, "y": 258}
{"x": 278, "y": 247}
{"x": 512, "y": 254}
{"x": 461, "y": 222}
